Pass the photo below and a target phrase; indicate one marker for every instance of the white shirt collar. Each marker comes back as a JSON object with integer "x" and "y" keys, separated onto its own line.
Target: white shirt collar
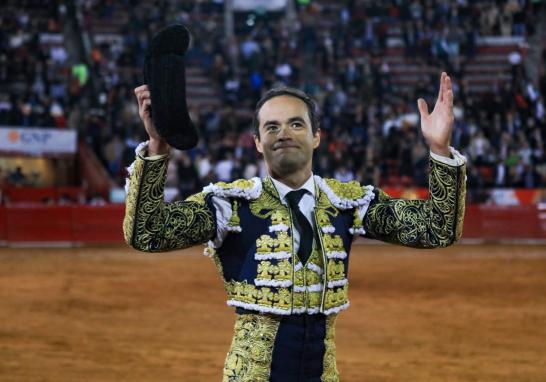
{"x": 283, "y": 189}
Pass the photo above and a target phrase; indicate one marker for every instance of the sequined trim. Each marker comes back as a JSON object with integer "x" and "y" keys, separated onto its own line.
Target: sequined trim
{"x": 272, "y": 255}
{"x": 308, "y": 288}
{"x": 337, "y": 283}
{"x": 315, "y": 268}
{"x": 328, "y": 229}
{"x": 249, "y": 189}
{"x": 345, "y": 195}
{"x": 336, "y": 254}
{"x": 283, "y": 300}
{"x": 337, "y": 309}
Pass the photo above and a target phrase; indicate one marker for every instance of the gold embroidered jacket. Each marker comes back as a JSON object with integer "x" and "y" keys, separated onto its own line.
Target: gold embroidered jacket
{"x": 261, "y": 272}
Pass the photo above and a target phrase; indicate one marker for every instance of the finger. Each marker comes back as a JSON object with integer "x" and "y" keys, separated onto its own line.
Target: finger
{"x": 423, "y": 108}
{"x": 142, "y": 95}
{"x": 449, "y": 98}
{"x": 441, "y": 90}
{"x": 140, "y": 88}
{"x": 448, "y": 88}
{"x": 138, "y": 95}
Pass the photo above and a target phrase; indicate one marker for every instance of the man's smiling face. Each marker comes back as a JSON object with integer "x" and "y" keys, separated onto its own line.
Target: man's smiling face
{"x": 286, "y": 139}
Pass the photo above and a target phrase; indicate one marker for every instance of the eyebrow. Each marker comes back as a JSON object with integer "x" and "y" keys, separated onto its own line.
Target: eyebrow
{"x": 290, "y": 120}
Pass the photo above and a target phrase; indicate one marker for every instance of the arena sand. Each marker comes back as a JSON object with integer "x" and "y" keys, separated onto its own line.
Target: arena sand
{"x": 465, "y": 313}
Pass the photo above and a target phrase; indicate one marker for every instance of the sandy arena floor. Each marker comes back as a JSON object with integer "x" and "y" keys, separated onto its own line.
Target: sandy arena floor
{"x": 466, "y": 313}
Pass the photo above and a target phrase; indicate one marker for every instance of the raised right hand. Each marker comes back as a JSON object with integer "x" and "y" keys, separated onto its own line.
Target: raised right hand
{"x": 157, "y": 145}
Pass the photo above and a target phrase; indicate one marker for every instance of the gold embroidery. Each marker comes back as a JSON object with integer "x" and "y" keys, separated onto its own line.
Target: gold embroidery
{"x": 131, "y": 201}
{"x": 299, "y": 300}
{"x": 284, "y": 270}
{"x": 332, "y": 243}
{"x": 265, "y": 244}
{"x": 269, "y": 244}
{"x": 314, "y": 299}
{"x": 152, "y": 225}
{"x": 272, "y": 294}
{"x": 281, "y": 271}
{"x": 268, "y": 202}
{"x": 280, "y": 217}
{"x": 311, "y": 278}
{"x": 435, "y": 222}
{"x": 265, "y": 270}
{"x": 249, "y": 358}
{"x": 306, "y": 276}
{"x": 265, "y": 296}
{"x": 284, "y": 242}
{"x": 243, "y": 184}
{"x": 330, "y": 373}
{"x": 461, "y": 185}
{"x": 337, "y": 296}
{"x": 357, "y": 221}
{"x": 324, "y": 209}
{"x": 234, "y": 220}
{"x": 336, "y": 270}
{"x": 283, "y": 299}
{"x": 198, "y": 198}
{"x": 218, "y": 264}
{"x": 250, "y": 294}
{"x": 349, "y": 190}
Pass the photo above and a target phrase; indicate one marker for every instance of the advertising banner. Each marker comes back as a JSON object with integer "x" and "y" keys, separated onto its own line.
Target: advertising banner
{"x": 253, "y": 5}
{"x": 37, "y": 141}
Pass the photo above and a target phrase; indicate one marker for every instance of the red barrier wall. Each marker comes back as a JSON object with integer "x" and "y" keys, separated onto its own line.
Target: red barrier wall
{"x": 92, "y": 224}
{"x": 103, "y": 224}
{"x": 39, "y": 194}
{"x": 69, "y": 224}
{"x": 501, "y": 222}
{"x": 3, "y": 234}
{"x": 38, "y": 223}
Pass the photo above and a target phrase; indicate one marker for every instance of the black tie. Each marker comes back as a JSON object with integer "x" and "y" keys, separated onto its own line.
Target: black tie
{"x": 302, "y": 224}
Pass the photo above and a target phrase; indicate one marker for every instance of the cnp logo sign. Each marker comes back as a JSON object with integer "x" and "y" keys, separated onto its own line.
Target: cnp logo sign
{"x": 37, "y": 141}
{"x": 13, "y": 136}
{"x": 29, "y": 137}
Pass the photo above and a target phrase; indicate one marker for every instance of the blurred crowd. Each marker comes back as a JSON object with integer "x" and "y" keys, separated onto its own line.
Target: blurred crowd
{"x": 334, "y": 51}
{"x": 38, "y": 85}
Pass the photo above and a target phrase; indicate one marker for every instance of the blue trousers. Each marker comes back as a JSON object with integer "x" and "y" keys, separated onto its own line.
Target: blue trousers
{"x": 273, "y": 348}
{"x": 298, "y": 351}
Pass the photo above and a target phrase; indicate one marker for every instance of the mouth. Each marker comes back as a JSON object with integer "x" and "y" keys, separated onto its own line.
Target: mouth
{"x": 284, "y": 146}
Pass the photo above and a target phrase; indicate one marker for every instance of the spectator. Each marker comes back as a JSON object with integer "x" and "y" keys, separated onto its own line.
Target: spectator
{"x": 17, "y": 178}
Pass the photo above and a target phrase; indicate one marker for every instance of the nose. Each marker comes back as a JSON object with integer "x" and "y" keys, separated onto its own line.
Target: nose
{"x": 283, "y": 132}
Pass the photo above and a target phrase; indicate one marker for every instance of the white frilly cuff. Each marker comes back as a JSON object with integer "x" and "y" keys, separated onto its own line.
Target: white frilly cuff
{"x": 457, "y": 160}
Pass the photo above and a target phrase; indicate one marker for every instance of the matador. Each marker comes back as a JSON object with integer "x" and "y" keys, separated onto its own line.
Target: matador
{"x": 282, "y": 243}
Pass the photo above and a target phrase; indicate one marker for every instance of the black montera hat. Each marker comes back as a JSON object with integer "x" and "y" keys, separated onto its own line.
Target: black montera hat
{"x": 164, "y": 73}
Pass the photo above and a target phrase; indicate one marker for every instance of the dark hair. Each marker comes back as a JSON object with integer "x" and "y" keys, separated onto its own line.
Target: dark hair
{"x": 312, "y": 107}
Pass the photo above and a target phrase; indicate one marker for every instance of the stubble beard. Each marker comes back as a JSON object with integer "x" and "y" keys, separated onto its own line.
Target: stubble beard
{"x": 286, "y": 165}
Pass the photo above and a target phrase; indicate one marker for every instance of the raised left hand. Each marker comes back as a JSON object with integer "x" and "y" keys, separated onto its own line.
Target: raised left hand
{"x": 438, "y": 125}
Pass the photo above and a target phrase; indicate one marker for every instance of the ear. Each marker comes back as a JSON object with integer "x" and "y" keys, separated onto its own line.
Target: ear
{"x": 258, "y": 144}
{"x": 316, "y": 139}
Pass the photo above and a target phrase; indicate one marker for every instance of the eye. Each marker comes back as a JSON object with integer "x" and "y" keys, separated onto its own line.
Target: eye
{"x": 296, "y": 125}
{"x": 271, "y": 128}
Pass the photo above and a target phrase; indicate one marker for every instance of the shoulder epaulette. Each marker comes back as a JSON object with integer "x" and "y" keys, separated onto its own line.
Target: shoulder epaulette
{"x": 345, "y": 195}
{"x": 249, "y": 189}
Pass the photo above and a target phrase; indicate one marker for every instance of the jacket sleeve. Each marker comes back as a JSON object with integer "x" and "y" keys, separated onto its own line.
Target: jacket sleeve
{"x": 435, "y": 222}
{"x": 151, "y": 224}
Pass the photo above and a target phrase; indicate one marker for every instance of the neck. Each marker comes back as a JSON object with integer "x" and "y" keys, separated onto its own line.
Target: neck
{"x": 293, "y": 180}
